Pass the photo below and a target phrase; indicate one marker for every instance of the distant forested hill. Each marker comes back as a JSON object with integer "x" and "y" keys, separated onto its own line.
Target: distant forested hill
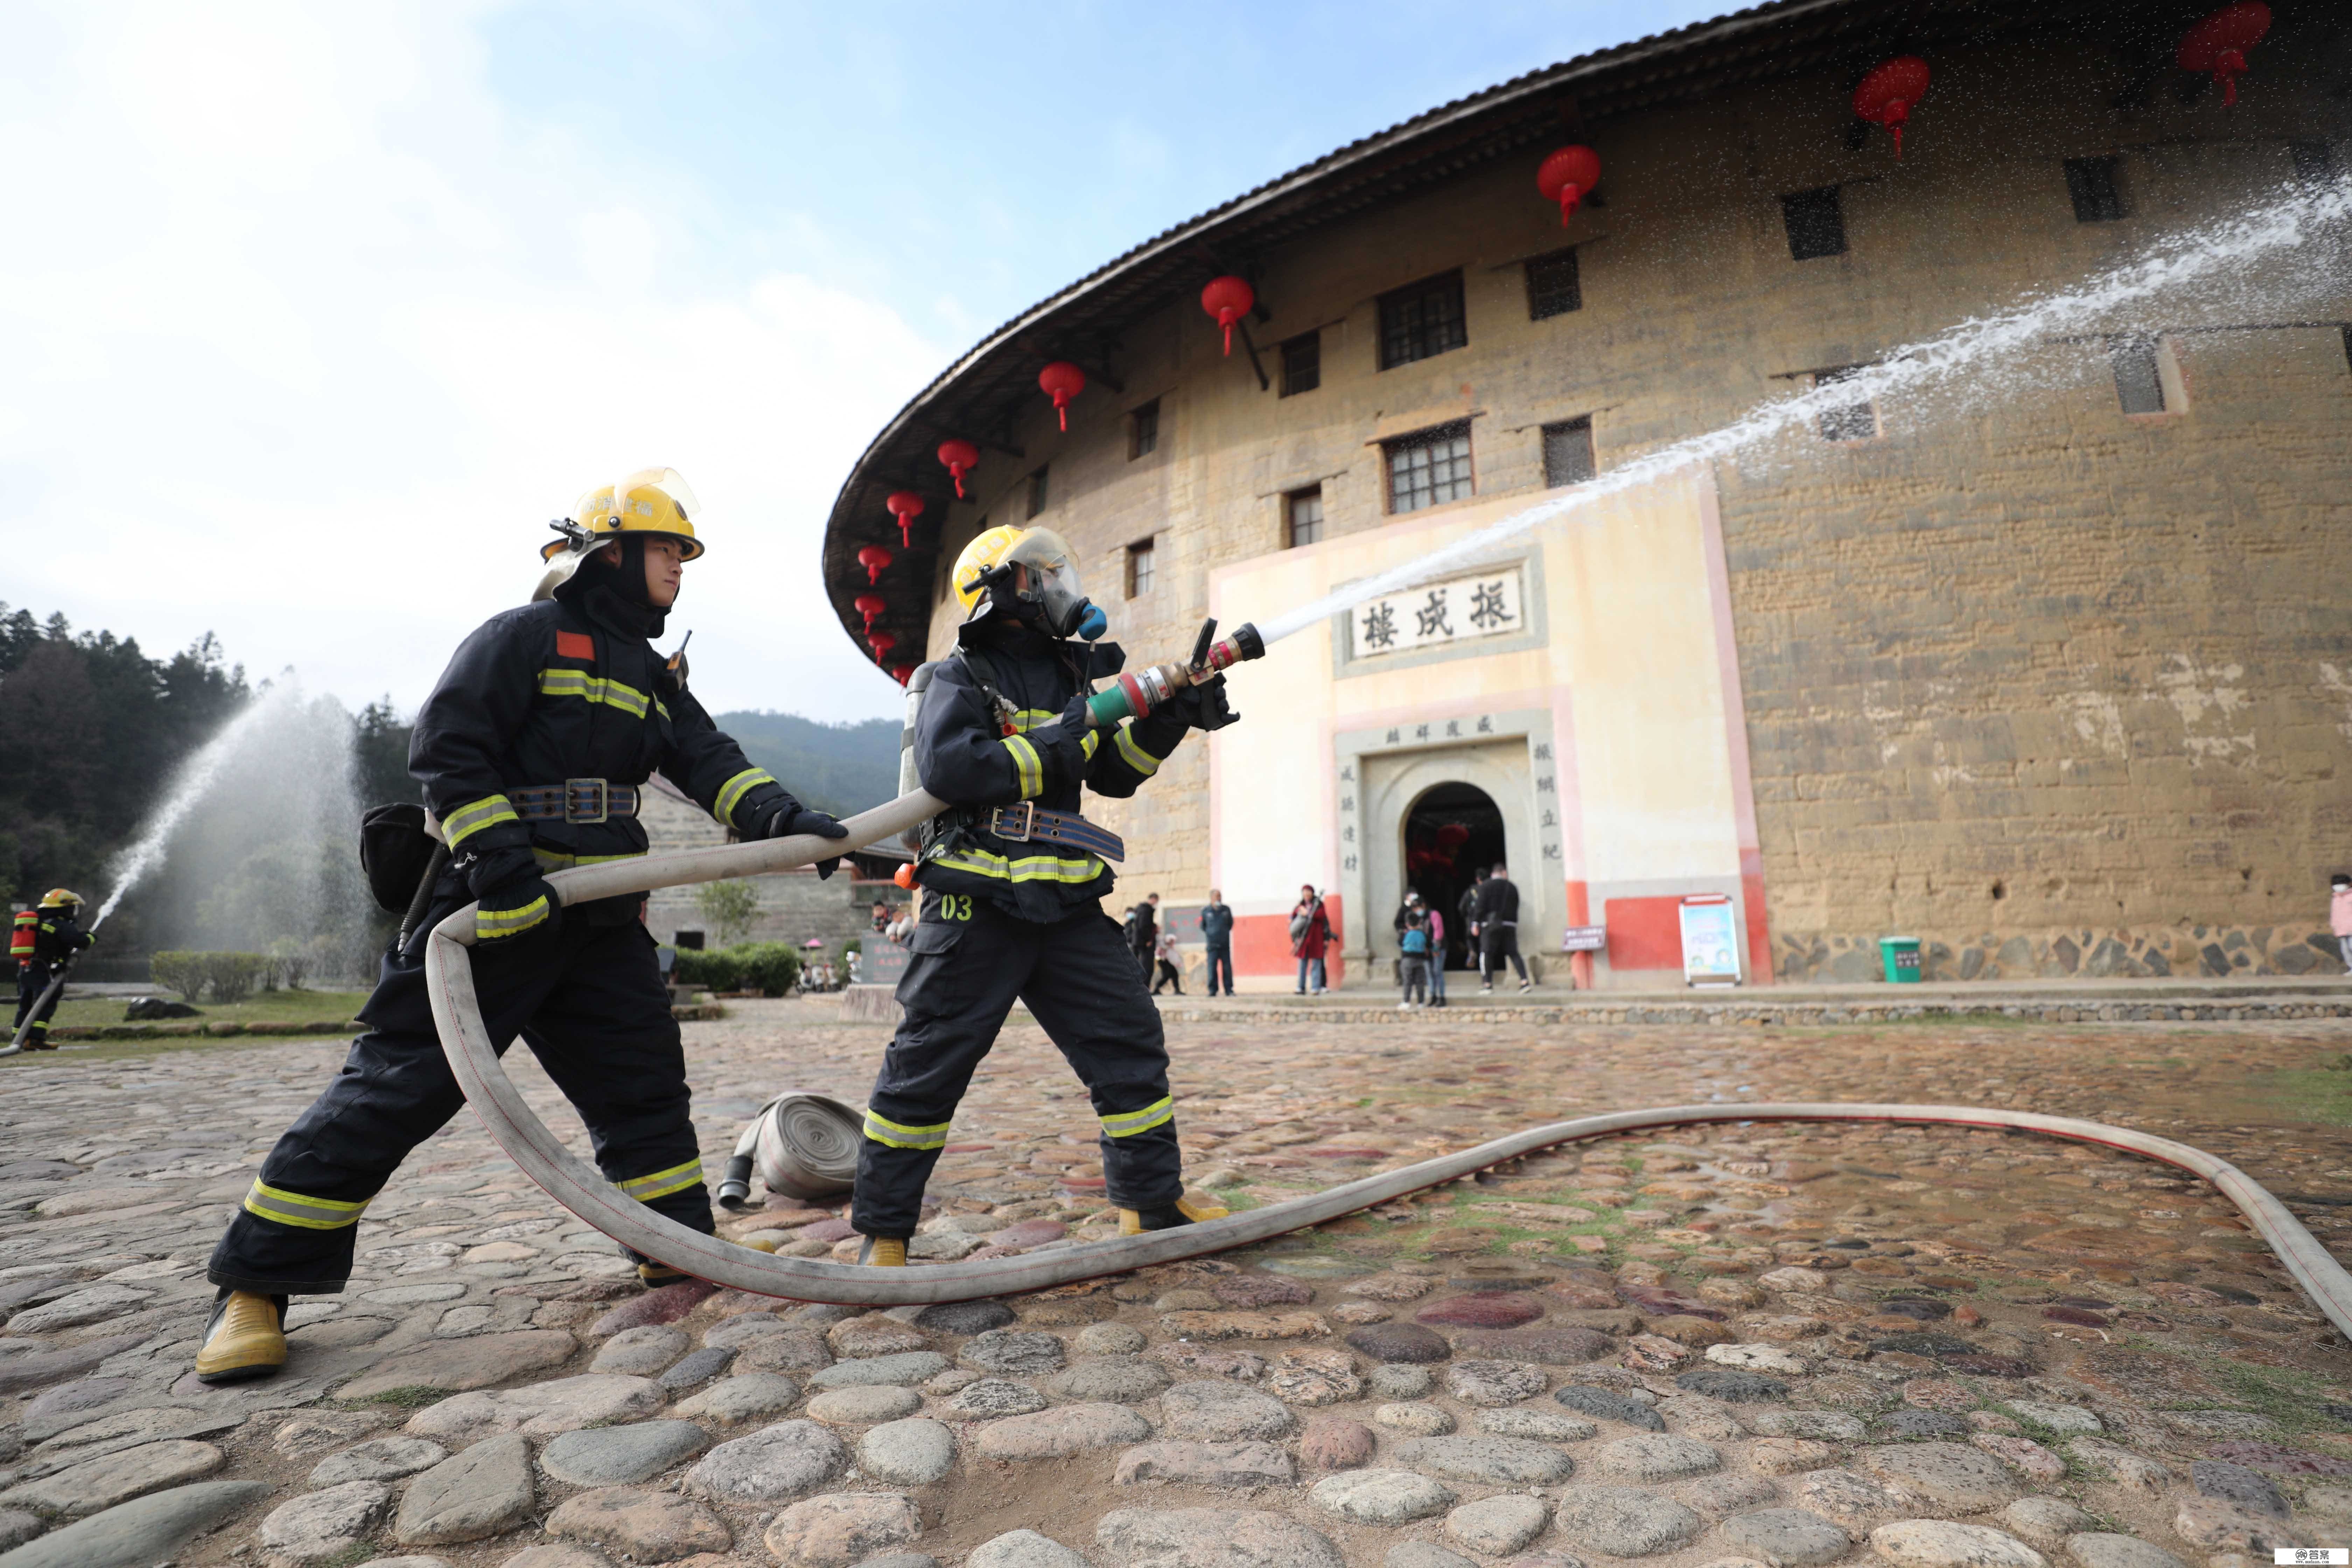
{"x": 839, "y": 768}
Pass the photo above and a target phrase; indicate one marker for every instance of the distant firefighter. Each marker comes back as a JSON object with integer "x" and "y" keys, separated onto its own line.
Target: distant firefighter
{"x": 41, "y": 941}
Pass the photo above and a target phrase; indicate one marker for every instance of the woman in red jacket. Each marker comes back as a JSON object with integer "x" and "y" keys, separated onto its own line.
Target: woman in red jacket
{"x": 1310, "y": 933}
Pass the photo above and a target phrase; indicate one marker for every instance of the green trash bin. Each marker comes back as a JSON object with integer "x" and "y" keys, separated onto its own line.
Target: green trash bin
{"x": 1901, "y": 956}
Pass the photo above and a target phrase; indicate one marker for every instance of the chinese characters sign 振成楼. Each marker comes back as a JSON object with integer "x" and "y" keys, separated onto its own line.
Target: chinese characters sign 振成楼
{"x": 1437, "y": 614}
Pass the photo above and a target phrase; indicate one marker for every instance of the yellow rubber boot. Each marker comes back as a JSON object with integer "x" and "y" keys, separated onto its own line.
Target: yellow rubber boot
{"x": 883, "y": 1252}
{"x": 1184, "y": 1210}
{"x": 246, "y": 1339}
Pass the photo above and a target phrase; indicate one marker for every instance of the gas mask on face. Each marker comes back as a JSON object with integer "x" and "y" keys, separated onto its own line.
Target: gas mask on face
{"x": 1049, "y": 592}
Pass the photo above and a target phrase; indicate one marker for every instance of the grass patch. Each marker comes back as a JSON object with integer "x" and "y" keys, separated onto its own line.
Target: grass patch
{"x": 261, "y": 1007}
{"x": 357, "y": 1551}
{"x": 408, "y": 1396}
{"x": 2288, "y": 1397}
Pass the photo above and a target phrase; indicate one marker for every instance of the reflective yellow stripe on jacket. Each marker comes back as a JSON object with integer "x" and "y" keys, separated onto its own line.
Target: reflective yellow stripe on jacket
{"x": 293, "y": 1208}
{"x": 490, "y": 924}
{"x": 474, "y": 816}
{"x": 1028, "y": 868}
{"x": 1135, "y": 756}
{"x": 550, "y": 860}
{"x": 597, "y": 688}
{"x": 1129, "y": 1123}
{"x": 661, "y": 1183}
{"x": 884, "y": 1130}
{"x": 1028, "y": 767}
{"x": 732, "y": 792}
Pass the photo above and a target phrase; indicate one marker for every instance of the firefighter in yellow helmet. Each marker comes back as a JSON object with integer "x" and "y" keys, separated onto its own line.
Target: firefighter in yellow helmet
{"x": 42, "y": 941}
{"x": 1013, "y": 879}
{"x": 532, "y": 752}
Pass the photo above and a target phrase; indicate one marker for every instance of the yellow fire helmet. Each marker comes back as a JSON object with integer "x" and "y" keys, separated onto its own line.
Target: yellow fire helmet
{"x": 651, "y": 500}
{"x": 60, "y": 898}
{"x": 979, "y": 557}
{"x": 1050, "y": 593}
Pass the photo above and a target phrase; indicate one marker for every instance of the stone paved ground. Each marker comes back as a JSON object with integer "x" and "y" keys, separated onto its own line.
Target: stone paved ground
{"x": 1784, "y": 1346}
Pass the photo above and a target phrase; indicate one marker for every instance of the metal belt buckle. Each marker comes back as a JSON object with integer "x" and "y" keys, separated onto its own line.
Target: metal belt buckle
{"x": 572, "y": 788}
{"x": 1028, "y": 809}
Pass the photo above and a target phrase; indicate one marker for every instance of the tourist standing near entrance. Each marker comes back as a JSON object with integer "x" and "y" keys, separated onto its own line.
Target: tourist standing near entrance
{"x": 1143, "y": 933}
{"x": 2339, "y": 917}
{"x": 1165, "y": 971}
{"x": 532, "y": 751}
{"x": 1466, "y": 909}
{"x": 1497, "y": 917}
{"x": 1310, "y": 936}
{"x": 1436, "y": 958}
{"x": 1413, "y": 946}
{"x": 1217, "y": 930}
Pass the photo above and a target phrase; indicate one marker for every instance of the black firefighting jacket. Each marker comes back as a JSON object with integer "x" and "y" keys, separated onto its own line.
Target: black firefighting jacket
{"x": 57, "y": 936}
{"x": 570, "y": 689}
{"x": 965, "y": 757}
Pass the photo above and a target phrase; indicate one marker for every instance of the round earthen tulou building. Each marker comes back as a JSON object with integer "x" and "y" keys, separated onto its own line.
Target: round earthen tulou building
{"x": 2052, "y": 670}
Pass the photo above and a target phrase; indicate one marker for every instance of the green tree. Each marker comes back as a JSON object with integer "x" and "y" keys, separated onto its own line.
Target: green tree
{"x": 729, "y": 908}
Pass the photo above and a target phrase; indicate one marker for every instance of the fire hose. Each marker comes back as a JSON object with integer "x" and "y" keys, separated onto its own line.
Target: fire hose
{"x": 578, "y": 1187}
{"x": 17, "y": 1042}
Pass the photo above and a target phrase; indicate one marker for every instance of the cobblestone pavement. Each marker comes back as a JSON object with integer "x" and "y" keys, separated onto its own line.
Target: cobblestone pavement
{"x": 1776, "y": 1346}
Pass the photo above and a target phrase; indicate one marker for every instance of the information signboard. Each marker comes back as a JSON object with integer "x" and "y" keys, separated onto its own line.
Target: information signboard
{"x": 1710, "y": 941}
{"x": 1584, "y": 939}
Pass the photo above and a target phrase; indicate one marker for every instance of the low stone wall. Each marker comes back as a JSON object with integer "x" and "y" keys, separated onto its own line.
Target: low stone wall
{"x": 2058, "y": 954}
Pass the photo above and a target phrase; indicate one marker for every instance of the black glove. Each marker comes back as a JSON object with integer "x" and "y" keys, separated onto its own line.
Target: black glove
{"x": 510, "y": 895}
{"x": 1203, "y": 705}
{"x": 788, "y": 817}
{"x": 1062, "y": 748}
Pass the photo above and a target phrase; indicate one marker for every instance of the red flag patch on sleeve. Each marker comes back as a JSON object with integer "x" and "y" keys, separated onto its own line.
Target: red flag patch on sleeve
{"x": 574, "y": 645}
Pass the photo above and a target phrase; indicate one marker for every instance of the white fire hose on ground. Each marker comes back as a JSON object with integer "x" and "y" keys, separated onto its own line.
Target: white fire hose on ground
{"x": 580, "y": 1188}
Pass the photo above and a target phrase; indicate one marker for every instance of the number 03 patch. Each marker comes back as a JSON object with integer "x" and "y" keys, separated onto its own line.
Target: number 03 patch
{"x": 954, "y": 907}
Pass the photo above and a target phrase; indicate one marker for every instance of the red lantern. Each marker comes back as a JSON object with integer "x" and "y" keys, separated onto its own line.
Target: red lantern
{"x": 905, "y": 506}
{"x": 2220, "y": 42}
{"x": 1888, "y": 94}
{"x": 1228, "y": 299}
{"x": 881, "y": 643}
{"x": 901, "y": 673}
{"x": 870, "y": 606}
{"x": 1567, "y": 177}
{"x": 875, "y": 557}
{"x": 1062, "y": 381}
{"x": 960, "y": 457}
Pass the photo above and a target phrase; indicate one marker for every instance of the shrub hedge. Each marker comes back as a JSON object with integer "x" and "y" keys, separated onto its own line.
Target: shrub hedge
{"x": 770, "y": 966}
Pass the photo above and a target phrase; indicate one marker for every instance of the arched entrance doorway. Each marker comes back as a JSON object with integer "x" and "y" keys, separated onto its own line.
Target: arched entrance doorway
{"x": 1452, "y": 831}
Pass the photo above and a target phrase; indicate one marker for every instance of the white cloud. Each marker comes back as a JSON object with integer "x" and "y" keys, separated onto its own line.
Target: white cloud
{"x": 307, "y": 335}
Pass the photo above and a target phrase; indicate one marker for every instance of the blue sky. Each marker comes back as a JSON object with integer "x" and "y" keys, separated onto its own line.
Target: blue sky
{"x": 333, "y": 307}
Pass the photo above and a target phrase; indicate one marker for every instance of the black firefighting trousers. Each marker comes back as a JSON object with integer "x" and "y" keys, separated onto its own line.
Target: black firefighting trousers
{"x": 32, "y": 979}
{"x": 969, "y": 961}
{"x": 589, "y": 1002}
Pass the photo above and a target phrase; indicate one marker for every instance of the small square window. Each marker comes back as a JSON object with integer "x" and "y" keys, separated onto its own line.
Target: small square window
{"x": 1851, "y": 421}
{"x": 1302, "y": 363}
{"x": 2097, "y": 195}
{"x": 2314, "y": 164}
{"x": 2139, "y": 379}
{"x": 1554, "y": 287}
{"x": 1143, "y": 431}
{"x": 1036, "y": 493}
{"x": 1816, "y": 224}
{"x": 1138, "y": 568}
{"x": 1423, "y": 320}
{"x": 1429, "y": 469}
{"x": 1568, "y": 452}
{"x": 1302, "y": 517}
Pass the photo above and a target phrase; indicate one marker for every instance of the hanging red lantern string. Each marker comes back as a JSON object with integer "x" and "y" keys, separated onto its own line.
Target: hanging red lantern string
{"x": 905, "y": 506}
{"x": 1567, "y": 177}
{"x": 1228, "y": 299}
{"x": 869, "y": 605}
{"x": 1888, "y": 94}
{"x": 960, "y": 457}
{"x": 881, "y": 643}
{"x": 874, "y": 557}
{"x": 1062, "y": 381}
{"x": 901, "y": 673}
{"x": 2220, "y": 42}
